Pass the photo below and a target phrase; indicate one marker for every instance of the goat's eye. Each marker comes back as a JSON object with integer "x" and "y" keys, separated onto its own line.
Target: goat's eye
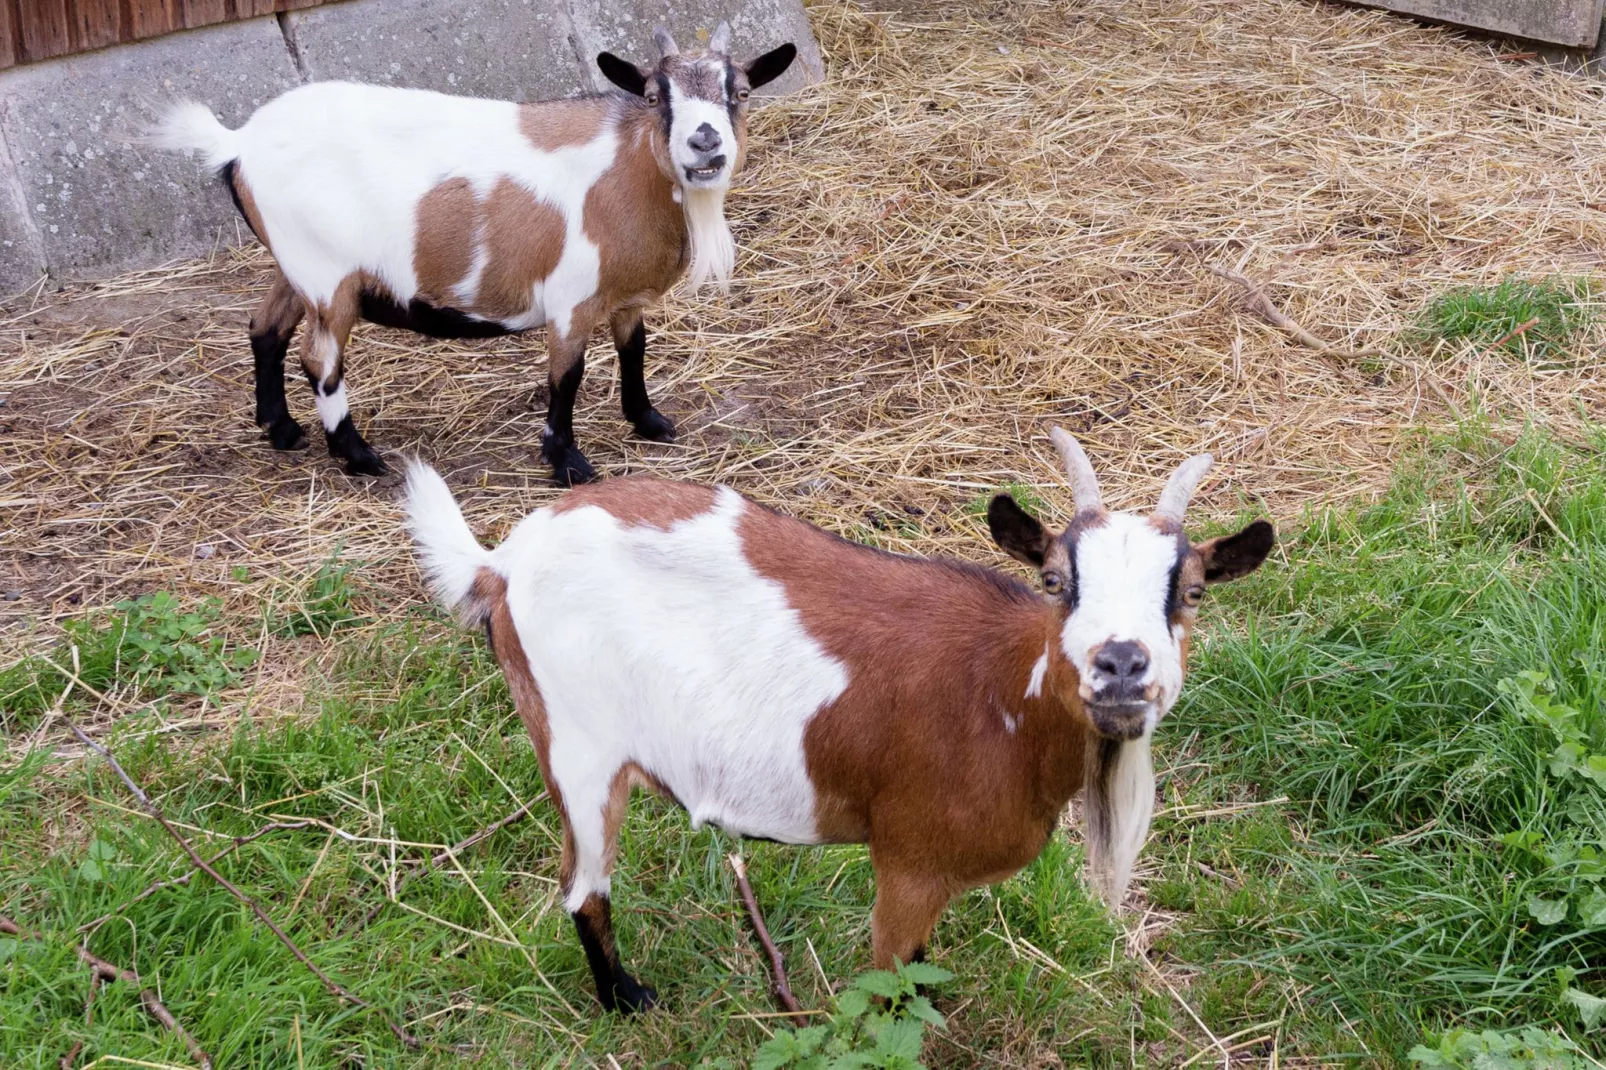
{"x": 1052, "y": 582}
{"x": 742, "y": 95}
{"x": 1193, "y": 595}
{"x": 651, "y": 97}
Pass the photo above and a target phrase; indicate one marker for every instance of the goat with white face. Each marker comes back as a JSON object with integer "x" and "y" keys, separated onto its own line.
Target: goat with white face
{"x": 460, "y": 217}
{"x": 783, "y": 683}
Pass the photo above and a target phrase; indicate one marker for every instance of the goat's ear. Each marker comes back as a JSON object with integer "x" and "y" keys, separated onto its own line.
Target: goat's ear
{"x": 622, "y": 73}
{"x": 771, "y": 65}
{"x": 1016, "y": 531}
{"x": 1230, "y": 556}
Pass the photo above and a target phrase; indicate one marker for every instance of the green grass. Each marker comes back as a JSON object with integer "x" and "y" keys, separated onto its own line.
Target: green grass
{"x": 1388, "y": 899}
{"x": 1549, "y": 313}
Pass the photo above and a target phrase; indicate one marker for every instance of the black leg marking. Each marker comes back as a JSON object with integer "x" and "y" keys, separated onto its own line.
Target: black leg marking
{"x": 569, "y": 465}
{"x": 648, "y": 421}
{"x": 269, "y": 347}
{"x": 616, "y": 989}
{"x": 346, "y": 444}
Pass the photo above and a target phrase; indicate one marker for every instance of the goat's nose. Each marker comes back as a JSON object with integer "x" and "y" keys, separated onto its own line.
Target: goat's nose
{"x": 1121, "y": 660}
{"x": 704, "y": 139}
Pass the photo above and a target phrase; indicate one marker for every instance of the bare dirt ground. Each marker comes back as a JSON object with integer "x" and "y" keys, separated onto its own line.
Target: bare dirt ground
{"x": 991, "y": 218}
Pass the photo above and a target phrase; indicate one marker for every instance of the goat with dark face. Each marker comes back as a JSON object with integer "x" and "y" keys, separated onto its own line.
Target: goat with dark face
{"x": 460, "y": 217}
{"x": 783, "y": 683}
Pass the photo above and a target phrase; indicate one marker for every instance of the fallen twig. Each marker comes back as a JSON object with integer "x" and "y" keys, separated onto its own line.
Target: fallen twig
{"x": 239, "y": 841}
{"x": 262, "y": 915}
{"x": 1515, "y": 332}
{"x": 1261, "y": 305}
{"x": 101, "y": 970}
{"x": 779, "y": 986}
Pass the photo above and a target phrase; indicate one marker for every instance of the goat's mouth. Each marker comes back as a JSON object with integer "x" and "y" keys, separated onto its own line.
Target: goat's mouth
{"x": 706, "y": 174}
{"x": 1124, "y": 720}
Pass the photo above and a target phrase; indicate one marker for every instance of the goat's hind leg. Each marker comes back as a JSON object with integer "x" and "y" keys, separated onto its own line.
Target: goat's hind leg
{"x": 591, "y": 833}
{"x": 566, "y": 367}
{"x": 271, "y": 329}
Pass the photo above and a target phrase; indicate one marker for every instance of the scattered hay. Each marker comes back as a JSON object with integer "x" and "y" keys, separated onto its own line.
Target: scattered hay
{"x": 993, "y": 217}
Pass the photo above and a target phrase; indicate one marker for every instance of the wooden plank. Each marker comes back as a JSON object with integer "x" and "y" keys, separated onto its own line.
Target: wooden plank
{"x": 149, "y": 18}
{"x": 44, "y": 29}
{"x": 10, "y": 33}
{"x": 95, "y": 24}
{"x": 195, "y": 13}
{"x": 1575, "y": 23}
{"x": 32, "y": 30}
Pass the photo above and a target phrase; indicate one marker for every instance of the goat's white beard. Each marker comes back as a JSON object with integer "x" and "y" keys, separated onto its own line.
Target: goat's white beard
{"x": 713, "y": 249}
{"x": 1117, "y": 806}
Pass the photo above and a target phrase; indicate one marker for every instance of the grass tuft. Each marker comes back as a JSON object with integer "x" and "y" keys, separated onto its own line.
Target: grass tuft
{"x": 1537, "y": 319}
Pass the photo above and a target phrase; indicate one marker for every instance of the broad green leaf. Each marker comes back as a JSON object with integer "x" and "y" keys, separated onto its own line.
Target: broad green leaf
{"x": 925, "y": 973}
{"x": 901, "y": 1037}
{"x": 1592, "y": 910}
{"x": 853, "y": 1003}
{"x": 8, "y": 947}
{"x": 880, "y": 983}
{"x": 920, "y": 1007}
{"x": 1590, "y": 1008}
{"x": 1547, "y": 911}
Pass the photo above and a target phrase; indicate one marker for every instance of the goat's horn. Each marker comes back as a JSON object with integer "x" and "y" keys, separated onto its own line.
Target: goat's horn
{"x": 666, "y": 44}
{"x": 721, "y": 40}
{"x": 1084, "y": 484}
{"x": 1179, "y": 489}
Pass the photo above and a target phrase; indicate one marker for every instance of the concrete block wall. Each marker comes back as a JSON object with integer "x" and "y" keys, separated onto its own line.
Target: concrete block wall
{"x": 79, "y": 200}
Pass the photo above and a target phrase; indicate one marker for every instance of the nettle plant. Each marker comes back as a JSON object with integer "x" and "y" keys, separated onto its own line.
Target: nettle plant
{"x": 878, "y": 1022}
{"x": 1572, "y": 860}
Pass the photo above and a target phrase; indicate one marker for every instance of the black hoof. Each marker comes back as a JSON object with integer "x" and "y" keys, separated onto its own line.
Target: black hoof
{"x": 346, "y": 444}
{"x": 569, "y": 466}
{"x": 286, "y": 434}
{"x": 655, "y": 427}
{"x": 632, "y": 997}
{"x": 368, "y": 464}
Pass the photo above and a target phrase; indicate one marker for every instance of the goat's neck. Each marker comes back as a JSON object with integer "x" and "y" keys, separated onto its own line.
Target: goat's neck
{"x": 1054, "y": 726}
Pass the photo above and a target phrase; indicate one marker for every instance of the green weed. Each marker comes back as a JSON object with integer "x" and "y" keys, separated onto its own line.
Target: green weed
{"x": 1539, "y": 318}
{"x": 151, "y": 645}
{"x": 878, "y": 1021}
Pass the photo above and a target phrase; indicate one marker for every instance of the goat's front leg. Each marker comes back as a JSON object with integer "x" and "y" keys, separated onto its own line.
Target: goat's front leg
{"x": 566, "y": 366}
{"x": 630, "y": 342}
{"x": 323, "y": 359}
{"x": 907, "y": 906}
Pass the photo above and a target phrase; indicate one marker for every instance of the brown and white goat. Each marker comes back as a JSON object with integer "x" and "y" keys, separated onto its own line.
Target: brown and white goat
{"x": 461, "y": 217}
{"x": 783, "y": 683}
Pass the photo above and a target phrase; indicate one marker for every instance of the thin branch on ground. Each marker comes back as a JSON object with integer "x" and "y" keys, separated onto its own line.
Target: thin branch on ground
{"x": 175, "y": 882}
{"x": 101, "y": 970}
{"x": 779, "y": 986}
{"x": 329, "y": 983}
{"x": 1261, "y": 305}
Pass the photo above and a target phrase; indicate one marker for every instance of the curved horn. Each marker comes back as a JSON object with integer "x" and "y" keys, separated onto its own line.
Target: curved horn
{"x": 1180, "y": 487}
{"x": 666, "y": 44}
{"x": 1084, "y": 484}
{"x": 721, "y": 40}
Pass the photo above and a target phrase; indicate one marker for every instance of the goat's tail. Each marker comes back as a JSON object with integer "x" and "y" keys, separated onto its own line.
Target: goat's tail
{"x": 449, "y": 555}
{"x": 1117, "y": 806}
{"x": 190, "y": 126}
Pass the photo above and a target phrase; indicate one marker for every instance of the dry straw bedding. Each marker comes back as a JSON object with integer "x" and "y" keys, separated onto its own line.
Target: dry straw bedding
{"x": 988, "y": 219}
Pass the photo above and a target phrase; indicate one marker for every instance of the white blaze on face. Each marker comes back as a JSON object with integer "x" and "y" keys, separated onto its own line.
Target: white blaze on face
{"x": 1123, "y": 579}
{"x": 713, "y": 249}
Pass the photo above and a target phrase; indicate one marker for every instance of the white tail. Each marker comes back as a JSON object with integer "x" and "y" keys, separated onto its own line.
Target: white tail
{"x": 1117, "y": 806}
{"x": 448, "y": 553}
{"x": 191, "y": 126}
